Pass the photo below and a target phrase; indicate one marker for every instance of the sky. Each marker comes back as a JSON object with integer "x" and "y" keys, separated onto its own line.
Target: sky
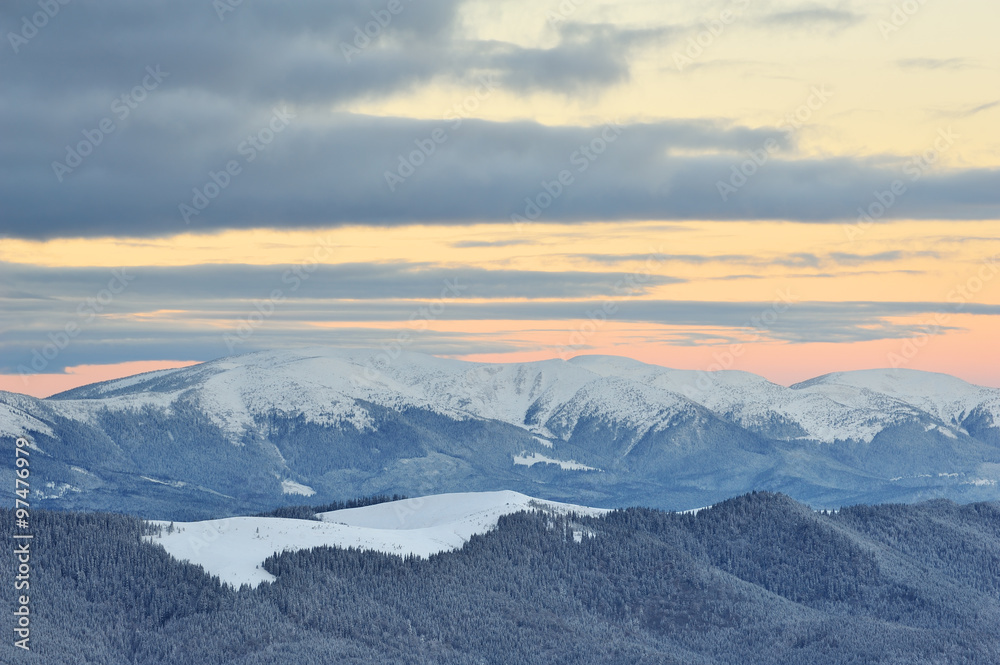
{"x": 784, "y": 187}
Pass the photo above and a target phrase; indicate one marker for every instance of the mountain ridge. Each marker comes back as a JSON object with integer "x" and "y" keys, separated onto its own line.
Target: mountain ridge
{"x": 597, "y": 430}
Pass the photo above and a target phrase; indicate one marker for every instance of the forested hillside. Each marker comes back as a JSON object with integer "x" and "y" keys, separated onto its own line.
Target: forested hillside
{"x": 757, "y": 579}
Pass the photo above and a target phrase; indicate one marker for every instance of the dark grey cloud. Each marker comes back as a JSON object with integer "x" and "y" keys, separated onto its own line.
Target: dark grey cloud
{"x": 361, "y": 281}
{"x": 223, "y": 81}
{"x": 217, "y": 80}
{"x": 266, "y": 51}
{"x": 310, "y": 176}
{"x": 586, "y": 54}
{"x": 135, "y": 181}
{"x": 310, "y": 52}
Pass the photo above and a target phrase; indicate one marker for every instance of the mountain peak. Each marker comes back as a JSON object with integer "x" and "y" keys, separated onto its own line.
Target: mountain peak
{"x": 897, "y": 380}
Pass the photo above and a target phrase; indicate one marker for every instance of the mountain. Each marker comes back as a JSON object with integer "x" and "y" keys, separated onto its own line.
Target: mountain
{"x": 755, "y": 579}
{"x": 248, "y": 433}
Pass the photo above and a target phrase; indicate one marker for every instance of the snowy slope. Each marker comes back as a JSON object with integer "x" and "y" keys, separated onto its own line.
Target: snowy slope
{"x": 945, "y": 397}
{"x": 234, "y": 548}
{"x": 842, "y": 406}
{"x": 21, "y": 414}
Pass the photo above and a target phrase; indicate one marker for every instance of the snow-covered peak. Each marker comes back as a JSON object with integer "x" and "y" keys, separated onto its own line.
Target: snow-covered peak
{"x": 901, "y": 382}
{"x": 945, "y": 397}
{"x": 613, "y": 365}
{"x": 332, "y": 387}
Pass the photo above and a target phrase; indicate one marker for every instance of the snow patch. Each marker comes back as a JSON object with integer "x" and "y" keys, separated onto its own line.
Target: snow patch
{"x": 56, "y": 490}
{"x": 168, "y": 483}
{"x": 292, "y": 487}
{"x": 531, "y": 460}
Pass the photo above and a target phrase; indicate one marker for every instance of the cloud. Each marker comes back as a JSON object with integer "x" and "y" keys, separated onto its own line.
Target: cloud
{"x": 336, "y": 174}
{"x": 935, "y": 63}
{"x": 749, "y": 66}
{"x": 969, "y": 111}
{"x": 267, "y": 52}
{"x": 225, "y": 82}
{"x": 813, "y": 16}
{"x": 850, "y": 259}
{"x": 357, "y": 281}
{"x": 191, "y": 315}
{"x": 735, "y": 278}
{"x": 587, "y": 55}
{"x": 473, "y": 244}
{"x": 792, "y": 260}
{"x": 694, "y": 259}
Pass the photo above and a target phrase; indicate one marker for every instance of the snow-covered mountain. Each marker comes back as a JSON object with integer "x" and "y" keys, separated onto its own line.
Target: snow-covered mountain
{"x": 234, "y": 548}
{"x": 255, "y": 431}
